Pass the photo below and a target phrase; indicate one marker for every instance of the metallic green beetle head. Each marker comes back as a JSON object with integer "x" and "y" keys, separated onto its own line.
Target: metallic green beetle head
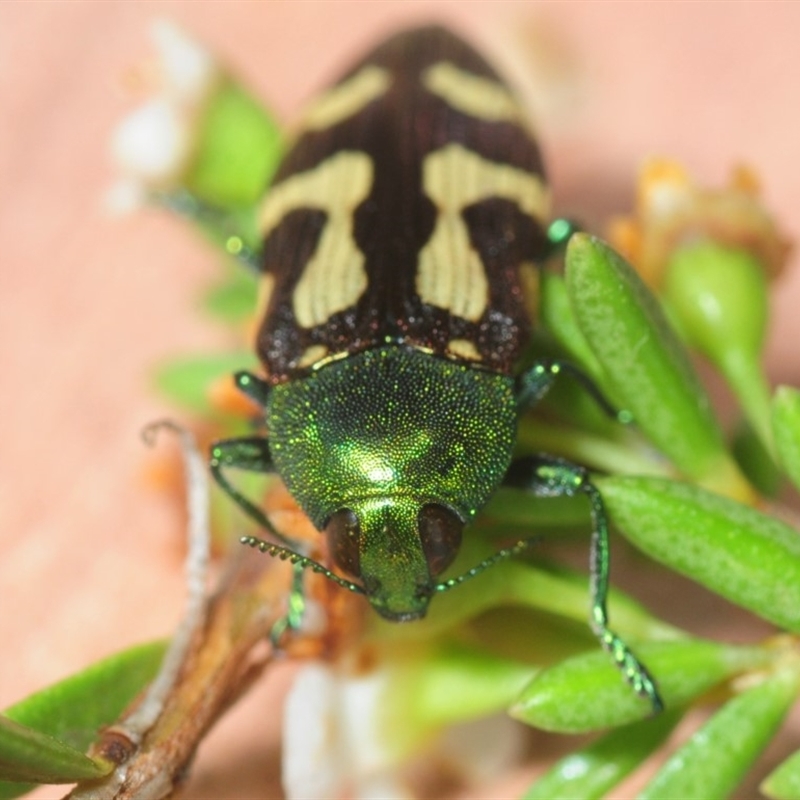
{"x": 391, "y": 452}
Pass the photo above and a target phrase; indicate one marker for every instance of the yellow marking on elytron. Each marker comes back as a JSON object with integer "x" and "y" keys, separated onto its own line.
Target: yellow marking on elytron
{"x": 464, "y": 348}
{"x": 347, "y": 99}
{"x": 264, "y": 294}
{"x": 450, "y": 273}
{"x": 529, "y": 278}
{"x": 311, "y": 355}
{"x": 471, "y": 94}
{"x": 334, "y": 277}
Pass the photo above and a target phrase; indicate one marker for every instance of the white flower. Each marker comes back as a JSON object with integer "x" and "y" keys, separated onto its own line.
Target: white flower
{"x": 152, "y": 147}
{"x": 153, "y": 143}
{"x": 332, "y": 743}
{"x": 189, "y": 70}
{"x": 347, "y": 735}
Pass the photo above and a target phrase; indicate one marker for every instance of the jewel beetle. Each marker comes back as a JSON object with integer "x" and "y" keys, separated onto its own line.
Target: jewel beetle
{"x": 401, "y": 236}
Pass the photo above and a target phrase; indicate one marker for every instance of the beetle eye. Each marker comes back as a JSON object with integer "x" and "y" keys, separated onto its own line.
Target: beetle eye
{"x": 440, "y": 533}
{"x": 344, "y": 537}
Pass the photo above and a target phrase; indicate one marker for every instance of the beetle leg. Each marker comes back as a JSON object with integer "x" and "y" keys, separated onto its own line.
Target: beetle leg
{"x": 535, "y": 382}
{"x": 295, "y": 608}
{"x": 252, "y": 453}
{"x": 249, "y": 453}
{"x": 227, "y": 226}
{"x": 559, "y": 232}
{"x": 257, "y": 389}
{"x": 548, "y": 476}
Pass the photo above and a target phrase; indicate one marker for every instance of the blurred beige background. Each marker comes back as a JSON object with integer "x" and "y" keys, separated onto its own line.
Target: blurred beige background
{"x": 90, "y": 558}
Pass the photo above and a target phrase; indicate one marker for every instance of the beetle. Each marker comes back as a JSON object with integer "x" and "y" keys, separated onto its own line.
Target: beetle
{"x": 400, "y": 233}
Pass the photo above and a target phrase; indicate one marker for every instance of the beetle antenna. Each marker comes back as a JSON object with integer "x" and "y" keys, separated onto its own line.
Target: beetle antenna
{"x": 500, "y": 555}
{"x": 285, "y": 554}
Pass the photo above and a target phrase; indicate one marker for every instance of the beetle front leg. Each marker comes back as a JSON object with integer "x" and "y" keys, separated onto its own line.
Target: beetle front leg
{"x": 229, "y": 227}
{"x": 547, "y": 476}
{"x": 252, "y": 454}
{"x": 249, "y": 453}
{"x": 559, "y": 232}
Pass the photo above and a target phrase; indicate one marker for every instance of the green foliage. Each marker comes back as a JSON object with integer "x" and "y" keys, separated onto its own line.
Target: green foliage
{"x": 786, "y": 425}
{"x": 715, "y": 759}
{"x": 515, "y": 636}
{"x": 734, "y": 550}
{"x": 784, "y": 782}
{"x": 29, "y": 756}
{"x": 186, "y": 381}
{"x": 644, "y": 362}
{"x": 238, "y": 149}
{"x": 42, "y": 738}
{"x": 718, "y": 296}
{"x": 685, "y": 670}
{"x": 233, "y": 299}
{"x": 589, "y": 773}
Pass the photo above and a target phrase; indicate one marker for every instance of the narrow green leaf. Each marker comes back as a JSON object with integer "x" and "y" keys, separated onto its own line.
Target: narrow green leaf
{"x": 714, "y": 760}
{"x": 33, "y": 757}
{"x": 558, "y": 317}
{"x": 783, "y": 783}
{"x": 453, "y": 683}
{"x": 718, "y": 293}
{"x": 755, "y": 461}
{"x": 589, "y": 773}
{"x": 588, "y": 693}
{"x": 511, "y": 506}
{"x": 786, "y": 429}
{"x": 237, "y": 152}
{"x": 645, "y": 364}
{"x": 187, "y": 381}
{"x": 737, "y": 552}
{"x": 73, "y": 710}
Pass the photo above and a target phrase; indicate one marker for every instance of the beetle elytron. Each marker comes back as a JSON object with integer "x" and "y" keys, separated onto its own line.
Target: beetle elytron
{"x": 396, "y": 233}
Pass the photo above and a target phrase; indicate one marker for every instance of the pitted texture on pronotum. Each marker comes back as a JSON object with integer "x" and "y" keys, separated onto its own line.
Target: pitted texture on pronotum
{"x": 392, "y": 421}
{"x": 384, "y": 434}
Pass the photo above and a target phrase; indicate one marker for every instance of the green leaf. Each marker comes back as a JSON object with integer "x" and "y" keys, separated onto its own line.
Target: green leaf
{"x": 451, "y": 683}
{"x": 237, "y": 152}
{"x": 737, "y": 552}
{"x": 73, "y": 710}
{"x": 646, "y": 366}
{"x": 755, "y": 461}
{"x": 786, "y": 428}
{"x": 589, "y": 773}
{"x": 234, "y": 299}
{"x": 513, "y": 507}
{"x": 187, "y": 381}
{"x": 783, "y": 783}
{"x": 558, "y": 317}
{"x": 515, "y": 583}
{"x": 714, "y": 760}
{"x": 29, "y": 756}
{"x": 719, "y": 296}
{"x": 588, "y": 693}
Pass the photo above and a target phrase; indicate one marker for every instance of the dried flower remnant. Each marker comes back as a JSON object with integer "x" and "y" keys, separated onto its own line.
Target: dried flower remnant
{"x": 672, "y": 211}
{"x": 710, "y": 253}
